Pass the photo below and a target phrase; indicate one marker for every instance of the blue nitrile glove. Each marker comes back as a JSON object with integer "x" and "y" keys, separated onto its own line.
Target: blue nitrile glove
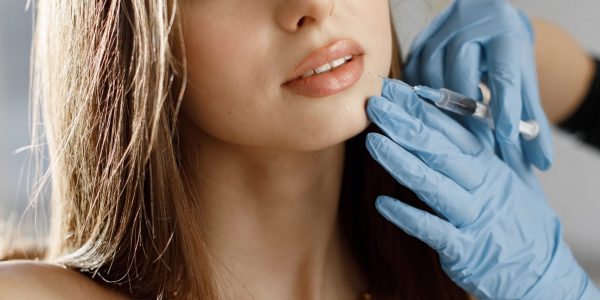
{"x": 497, "y": 237}
{"x": 488, "y": 41}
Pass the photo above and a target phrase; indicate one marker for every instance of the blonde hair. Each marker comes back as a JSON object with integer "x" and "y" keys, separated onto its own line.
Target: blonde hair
{"x": 108, "y": 79}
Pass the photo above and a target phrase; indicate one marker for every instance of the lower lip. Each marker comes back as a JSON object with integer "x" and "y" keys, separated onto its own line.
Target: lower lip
{"x": 329, "y": 83}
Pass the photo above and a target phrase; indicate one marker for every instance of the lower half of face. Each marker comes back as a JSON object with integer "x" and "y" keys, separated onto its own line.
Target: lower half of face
{"x": 240, "y": 58}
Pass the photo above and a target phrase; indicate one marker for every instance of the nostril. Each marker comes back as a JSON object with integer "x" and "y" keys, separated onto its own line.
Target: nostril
{"x": 301, "y": 21}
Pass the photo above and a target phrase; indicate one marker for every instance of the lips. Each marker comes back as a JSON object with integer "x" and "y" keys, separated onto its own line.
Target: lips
{"x": 330, "y": 81}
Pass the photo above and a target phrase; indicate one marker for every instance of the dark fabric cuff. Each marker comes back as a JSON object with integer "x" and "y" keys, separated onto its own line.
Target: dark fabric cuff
{"x": 585, "y": 122}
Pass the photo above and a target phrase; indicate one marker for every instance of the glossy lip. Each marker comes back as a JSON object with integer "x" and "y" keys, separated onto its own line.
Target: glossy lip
{"x": 333, "y": 81}
{"x": 325, "y": 55}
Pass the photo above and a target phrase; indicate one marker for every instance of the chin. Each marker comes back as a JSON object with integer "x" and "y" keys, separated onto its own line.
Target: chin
{"x": 332, "y": 135}
{"x": 345, "y": 126}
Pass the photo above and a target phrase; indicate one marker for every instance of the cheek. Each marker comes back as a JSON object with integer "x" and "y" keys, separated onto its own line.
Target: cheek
{"x": 214, "y": 57}
{"x": 379, "y": 30}
{"x": 216, "y": 98}
{"x": 217, "y": 108}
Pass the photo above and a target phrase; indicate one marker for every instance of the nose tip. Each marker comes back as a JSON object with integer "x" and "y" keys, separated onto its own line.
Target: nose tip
{"x": 293, "y": 15}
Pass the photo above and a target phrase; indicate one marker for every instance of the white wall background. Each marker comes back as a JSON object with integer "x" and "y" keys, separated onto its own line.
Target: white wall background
{"x": 572, "y": 185}
{"x": 15, "y": 38}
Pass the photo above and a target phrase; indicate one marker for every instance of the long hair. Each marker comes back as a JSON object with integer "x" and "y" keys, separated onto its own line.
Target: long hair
{"x": 108, "y": 79}
{"x": 397, "y": 265}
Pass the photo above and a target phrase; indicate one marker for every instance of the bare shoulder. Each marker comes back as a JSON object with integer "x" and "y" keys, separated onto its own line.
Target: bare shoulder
{"x": 26, "y": 279}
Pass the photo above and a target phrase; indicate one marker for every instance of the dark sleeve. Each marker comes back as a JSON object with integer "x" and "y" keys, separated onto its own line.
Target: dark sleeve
{"x": 585, "y": 122}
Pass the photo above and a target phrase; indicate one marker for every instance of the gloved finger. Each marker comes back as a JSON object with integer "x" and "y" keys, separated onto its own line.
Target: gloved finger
{"x": 513, "y": 157}
{"x": 527, "y": 24}
{"x": 504, "y": 80}
{"x": 416, "y": 60}
{"x": 432, "y": 66}
{"x": 481, "y": 130}
{"x": 539, "y": 150}
{"x": 447, "y": 28}
{"x": 463, "y": 67}
{"x": 411, "y": 68}
{"x": 441, "y": 193}
{"x": 433, "y": 231}
{"x": 430, "y": 146}
{"x": 402, "y": 95}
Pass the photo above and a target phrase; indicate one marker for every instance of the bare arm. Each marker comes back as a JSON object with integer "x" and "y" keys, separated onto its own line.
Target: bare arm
{"x": 27, "y": 281}
{"x": 22, "y": 279}
{"x": 565, "y": 70}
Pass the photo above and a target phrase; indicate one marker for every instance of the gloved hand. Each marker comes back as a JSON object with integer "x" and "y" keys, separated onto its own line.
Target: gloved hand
{"x": 488, "y": 41}
{"x": 496, "y": 237}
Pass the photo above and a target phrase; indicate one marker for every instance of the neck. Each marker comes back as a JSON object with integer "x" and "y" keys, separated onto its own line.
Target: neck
{"x": 271, "y": 220}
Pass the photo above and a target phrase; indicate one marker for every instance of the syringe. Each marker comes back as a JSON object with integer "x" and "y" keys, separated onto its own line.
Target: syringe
{"x": 463, "y": 105}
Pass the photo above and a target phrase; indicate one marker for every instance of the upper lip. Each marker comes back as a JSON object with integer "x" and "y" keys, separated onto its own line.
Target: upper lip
{"x": 326, "y": 54}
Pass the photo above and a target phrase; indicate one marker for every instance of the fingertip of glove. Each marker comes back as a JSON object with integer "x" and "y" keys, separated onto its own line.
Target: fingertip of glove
{"x": 539, "y": 152}
{"x": 547, "y": 152}
{"x": 545, "y": 161}
{"x": 394, "y": 210}
{"x": 385, "y": 204}
{"x": 374, "y": 100}
{"x": 392, "y": 88}
{"x": 372, "y": 141}
{"x": 544, "y": 165}
{"x": 374, "y": 104}
{"x": 387, "y": 85}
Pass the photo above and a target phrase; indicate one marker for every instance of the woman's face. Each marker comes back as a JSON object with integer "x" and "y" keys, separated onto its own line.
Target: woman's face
{"x": 241, "y": 55}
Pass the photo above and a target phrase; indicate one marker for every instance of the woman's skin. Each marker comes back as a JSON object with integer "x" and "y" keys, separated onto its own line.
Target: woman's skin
{"x": 268, "y": 162}
{"x": 42, "y": 280}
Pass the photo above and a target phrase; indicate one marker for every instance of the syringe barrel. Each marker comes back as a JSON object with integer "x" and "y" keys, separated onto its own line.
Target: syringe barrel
{"x": 457, "y": 103}
{"x": 463, "y": 105}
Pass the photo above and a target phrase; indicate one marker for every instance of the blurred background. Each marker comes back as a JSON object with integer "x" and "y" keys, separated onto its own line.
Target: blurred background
{"x": 15, "y": 41}
{"x": 571, "y": 185}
